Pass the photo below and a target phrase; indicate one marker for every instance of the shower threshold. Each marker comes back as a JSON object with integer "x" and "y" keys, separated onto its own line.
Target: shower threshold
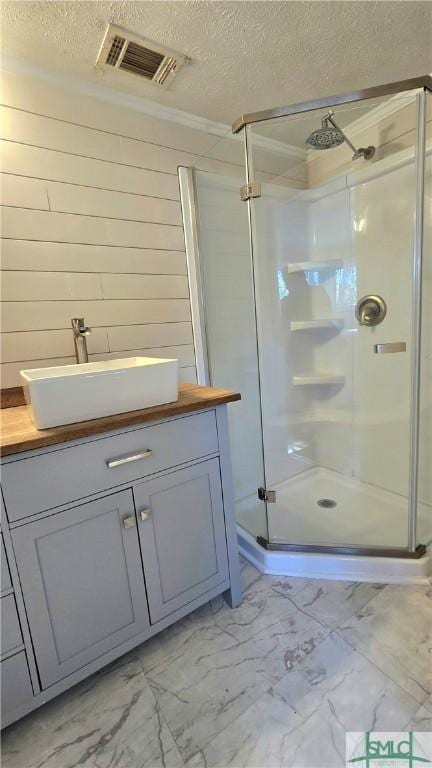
{"x": 328, "y": 549}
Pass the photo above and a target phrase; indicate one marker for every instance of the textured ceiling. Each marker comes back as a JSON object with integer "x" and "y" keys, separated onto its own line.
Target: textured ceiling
{"x": 245, "y": 56}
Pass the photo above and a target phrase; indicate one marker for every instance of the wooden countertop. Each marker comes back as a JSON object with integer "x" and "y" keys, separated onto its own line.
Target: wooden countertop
{"x": 18, "y": 433}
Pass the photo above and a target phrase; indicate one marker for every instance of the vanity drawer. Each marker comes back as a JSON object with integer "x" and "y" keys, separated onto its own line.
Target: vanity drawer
{"x": 69, "y": 473}
{"x": 11, "y": 636}
{"x": 16, "y": 687}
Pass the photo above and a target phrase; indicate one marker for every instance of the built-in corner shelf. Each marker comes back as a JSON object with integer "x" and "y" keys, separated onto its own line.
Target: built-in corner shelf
{"x": 324, "y": 417}
{"x": 312, "y": 379}
{"x": 313, "y": 266}
{"x": 306, "y": 325}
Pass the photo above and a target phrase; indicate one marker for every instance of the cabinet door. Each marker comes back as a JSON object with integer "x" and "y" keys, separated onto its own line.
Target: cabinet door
{"x": 182, "y": 533}
{"x": 83, "y": 583}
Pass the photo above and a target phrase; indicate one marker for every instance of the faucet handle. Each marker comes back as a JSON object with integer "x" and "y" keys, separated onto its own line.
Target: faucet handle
{"x": 79, "y": 327}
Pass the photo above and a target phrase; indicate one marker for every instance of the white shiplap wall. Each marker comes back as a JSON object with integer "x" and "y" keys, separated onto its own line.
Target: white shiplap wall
{"x": 91, "y": 226}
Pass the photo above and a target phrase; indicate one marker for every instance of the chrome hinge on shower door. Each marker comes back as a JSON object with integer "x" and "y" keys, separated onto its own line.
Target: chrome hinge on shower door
{"x": 268, "y": 496}
{"x": 250, "y": 190}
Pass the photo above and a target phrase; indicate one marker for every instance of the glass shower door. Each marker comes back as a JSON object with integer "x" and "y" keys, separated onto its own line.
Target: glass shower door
{"x": 227, "y": 322}
{"x": 333, "y": 243}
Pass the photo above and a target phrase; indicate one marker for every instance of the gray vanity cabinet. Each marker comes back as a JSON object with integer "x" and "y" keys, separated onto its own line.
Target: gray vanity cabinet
{"x": 82, "y": 583}
{"x": 182, "y": 532}
{"x": 108, "y": 540}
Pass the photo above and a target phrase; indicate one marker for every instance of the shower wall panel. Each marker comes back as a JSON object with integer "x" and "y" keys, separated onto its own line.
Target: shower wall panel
{"x": 333, "y": 294}
{"x": 382, "y": 241}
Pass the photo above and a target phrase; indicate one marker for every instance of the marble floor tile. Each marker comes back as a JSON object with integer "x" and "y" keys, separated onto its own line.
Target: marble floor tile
{"x": 112, "y": 720}
{"x": 422, "y": 720}
{"x": 205, "y": 683}
{"x": 249, "y": 574}
{"x": 292, "y": 585}
{"x": 287, "y": 585}
{"x": 212, "y": 665}
{"x": 301, "y": 722}
{"x": 333, "y": 602}
{"x": 394, "y": 630}
{"x": 283, "y": 632}
{"x": 197, "y": 629}
{"x": 262, "y": 608}
{"x": 267, "y": 685}
{"x": 328, "y": 601}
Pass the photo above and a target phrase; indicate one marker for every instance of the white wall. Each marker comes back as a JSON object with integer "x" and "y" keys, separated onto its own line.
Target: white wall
{"x": 91, "y": 226}
{"x": 91, "y": 219}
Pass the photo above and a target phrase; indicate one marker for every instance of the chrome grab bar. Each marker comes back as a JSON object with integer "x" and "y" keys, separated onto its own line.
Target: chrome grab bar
{"x": 112, "y": 463}
{"x": 395, "y": 346}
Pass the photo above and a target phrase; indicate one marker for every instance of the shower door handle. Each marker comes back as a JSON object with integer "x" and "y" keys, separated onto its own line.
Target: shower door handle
{"x": 370, "y": 310}
{"x": 385, "y": 349}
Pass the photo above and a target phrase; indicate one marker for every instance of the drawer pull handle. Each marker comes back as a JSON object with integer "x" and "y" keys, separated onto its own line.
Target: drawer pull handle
{"x": 112, "y": 463}
{"x": 145, "y": 514}
{"x": 129, "y": 521}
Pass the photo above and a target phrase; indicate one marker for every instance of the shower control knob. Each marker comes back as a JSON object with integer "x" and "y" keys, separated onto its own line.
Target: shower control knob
{"x": 371, "y": 310}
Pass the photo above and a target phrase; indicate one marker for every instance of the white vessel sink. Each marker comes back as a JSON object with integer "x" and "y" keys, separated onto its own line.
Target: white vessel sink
{"x": 70, "y": 393}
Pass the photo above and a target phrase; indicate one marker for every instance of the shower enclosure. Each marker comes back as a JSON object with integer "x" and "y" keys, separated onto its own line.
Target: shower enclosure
{"x": 311, "y": 293}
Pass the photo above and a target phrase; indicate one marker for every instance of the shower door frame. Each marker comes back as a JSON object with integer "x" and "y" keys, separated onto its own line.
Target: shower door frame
{"x": 389, "y": 89}
{"x": 191, "y": 227}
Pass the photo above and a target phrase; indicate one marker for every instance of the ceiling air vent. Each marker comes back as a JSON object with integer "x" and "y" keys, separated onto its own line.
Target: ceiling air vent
{"x": 128, "y": 52}
{"x": 115, "y": 50}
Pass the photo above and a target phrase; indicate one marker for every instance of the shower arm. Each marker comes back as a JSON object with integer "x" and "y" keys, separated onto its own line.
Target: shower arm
{"x": 329, "y": 117}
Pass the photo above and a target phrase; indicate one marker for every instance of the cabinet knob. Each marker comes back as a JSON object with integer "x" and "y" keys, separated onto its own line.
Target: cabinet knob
{"x": 129, "y": 521}
{"x": 146, "y": 514}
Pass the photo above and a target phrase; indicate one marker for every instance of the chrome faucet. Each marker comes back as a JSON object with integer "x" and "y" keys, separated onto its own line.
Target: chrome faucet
{"x": 80, "y": 331}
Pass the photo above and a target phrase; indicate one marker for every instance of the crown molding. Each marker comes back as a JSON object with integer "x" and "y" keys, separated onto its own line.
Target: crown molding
{"x": 142, "y": 105}
{"x": 112, "y": 96}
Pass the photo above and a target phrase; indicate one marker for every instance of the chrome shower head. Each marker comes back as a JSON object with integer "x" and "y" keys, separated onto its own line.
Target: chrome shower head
{"x": 330, "y": 135}
{"x": 327, "y": 136}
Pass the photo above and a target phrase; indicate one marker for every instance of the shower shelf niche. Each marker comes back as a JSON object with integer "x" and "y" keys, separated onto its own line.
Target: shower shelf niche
{"x": 313, "y": 266}
{"x": 323, "y": 417}
{"x": 312, "y": 379}
{"x": 306, "y": 325}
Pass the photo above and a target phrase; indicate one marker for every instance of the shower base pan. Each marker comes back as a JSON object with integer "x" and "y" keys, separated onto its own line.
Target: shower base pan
{"x": 320, "y": 516}
{"x": 379, "y": 570}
